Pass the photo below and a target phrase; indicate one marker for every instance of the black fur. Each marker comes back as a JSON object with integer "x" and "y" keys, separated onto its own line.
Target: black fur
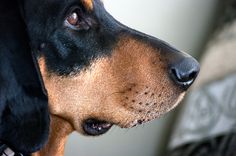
{"x": 67, "y": 50}
{"x": 24, "y": 116}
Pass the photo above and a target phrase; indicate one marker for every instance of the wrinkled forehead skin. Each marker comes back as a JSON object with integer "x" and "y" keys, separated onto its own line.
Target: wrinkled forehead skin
{"x": 109, "y": 72}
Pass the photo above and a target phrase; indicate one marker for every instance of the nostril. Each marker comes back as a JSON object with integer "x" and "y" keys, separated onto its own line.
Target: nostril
{"x": 185, "y": 72}
{"x": 193, "y": 75}
{"x": 184, "y": 76}
{"x": 176, "y": 75}
{"x": 183, "y": 79}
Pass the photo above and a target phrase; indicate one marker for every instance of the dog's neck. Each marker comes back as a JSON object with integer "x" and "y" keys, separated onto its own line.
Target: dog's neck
{"x": 59, "y": 131}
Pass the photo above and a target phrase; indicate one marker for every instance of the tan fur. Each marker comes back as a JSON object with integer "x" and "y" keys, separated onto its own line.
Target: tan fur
{"x": 59, "y": 130}
{"x": 88, "y": 4}
{"x": 132, "y": 86}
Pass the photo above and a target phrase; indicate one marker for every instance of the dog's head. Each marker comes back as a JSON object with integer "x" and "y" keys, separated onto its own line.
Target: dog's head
{"x": 98, "y": 72}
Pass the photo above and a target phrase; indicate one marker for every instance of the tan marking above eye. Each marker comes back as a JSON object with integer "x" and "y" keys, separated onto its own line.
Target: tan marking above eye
{"x": 88, "y": 4}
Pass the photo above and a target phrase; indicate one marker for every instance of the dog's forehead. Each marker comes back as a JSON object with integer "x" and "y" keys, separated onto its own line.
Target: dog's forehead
{"x": 36, "y": 11}
{"x": 46, "y": 4}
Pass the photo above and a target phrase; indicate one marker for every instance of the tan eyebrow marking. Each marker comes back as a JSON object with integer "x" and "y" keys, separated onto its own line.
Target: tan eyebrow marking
{"x": 88, "y": 4}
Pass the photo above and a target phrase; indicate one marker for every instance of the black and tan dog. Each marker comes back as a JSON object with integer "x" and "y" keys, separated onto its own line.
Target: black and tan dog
{"x": 98, "y": 72}
{"x": 24, "y": 115}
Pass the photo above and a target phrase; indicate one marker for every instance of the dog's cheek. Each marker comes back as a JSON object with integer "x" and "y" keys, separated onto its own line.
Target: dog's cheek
{"x": 76, "y": 97}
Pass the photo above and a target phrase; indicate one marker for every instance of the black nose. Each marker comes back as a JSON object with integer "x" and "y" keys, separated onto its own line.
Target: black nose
{"x": 184, "y": 72}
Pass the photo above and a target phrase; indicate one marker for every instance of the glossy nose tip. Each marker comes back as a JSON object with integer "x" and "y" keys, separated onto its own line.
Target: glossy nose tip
{"x": 185, "y": 72}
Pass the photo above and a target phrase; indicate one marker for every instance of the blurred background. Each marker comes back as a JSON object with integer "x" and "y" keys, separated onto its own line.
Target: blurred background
{"x": 185, "y": 24}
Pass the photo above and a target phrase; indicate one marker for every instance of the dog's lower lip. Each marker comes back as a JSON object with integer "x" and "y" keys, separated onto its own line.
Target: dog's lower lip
{"x": 96, "y": 127}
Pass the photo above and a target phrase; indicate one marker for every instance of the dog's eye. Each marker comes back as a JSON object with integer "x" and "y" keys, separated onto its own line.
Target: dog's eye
{"x": 77, "y": 20}
{"x": 73, "y": 19}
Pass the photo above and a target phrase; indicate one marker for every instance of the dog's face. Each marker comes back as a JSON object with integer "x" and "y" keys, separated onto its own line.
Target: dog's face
{"x": 98, "y": 72}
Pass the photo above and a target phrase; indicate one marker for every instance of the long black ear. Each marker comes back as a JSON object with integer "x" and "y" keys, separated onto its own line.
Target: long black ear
{"x": 24, "y": 115}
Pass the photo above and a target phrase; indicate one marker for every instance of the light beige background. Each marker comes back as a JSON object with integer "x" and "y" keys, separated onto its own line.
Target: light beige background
{"x": 184, "y": 24}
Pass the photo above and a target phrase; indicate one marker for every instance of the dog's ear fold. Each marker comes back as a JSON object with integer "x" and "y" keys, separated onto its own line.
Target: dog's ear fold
{"x": 24, "y": 115}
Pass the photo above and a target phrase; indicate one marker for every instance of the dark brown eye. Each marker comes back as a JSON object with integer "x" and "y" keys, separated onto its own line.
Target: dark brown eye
{"x": 73, "y": 19}
{"x": 78, "y": 20}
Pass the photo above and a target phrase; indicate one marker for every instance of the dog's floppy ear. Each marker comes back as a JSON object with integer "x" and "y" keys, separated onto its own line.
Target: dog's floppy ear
{"x": 24, "y": 115}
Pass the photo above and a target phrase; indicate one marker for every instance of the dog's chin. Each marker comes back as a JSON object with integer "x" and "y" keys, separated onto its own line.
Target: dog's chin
{"x": 95, "y": 127}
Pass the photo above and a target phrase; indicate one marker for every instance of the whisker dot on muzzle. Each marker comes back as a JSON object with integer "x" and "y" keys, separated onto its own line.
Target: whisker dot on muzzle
{"x": 125, "y": 104}
{"x": 140, "y": 121}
